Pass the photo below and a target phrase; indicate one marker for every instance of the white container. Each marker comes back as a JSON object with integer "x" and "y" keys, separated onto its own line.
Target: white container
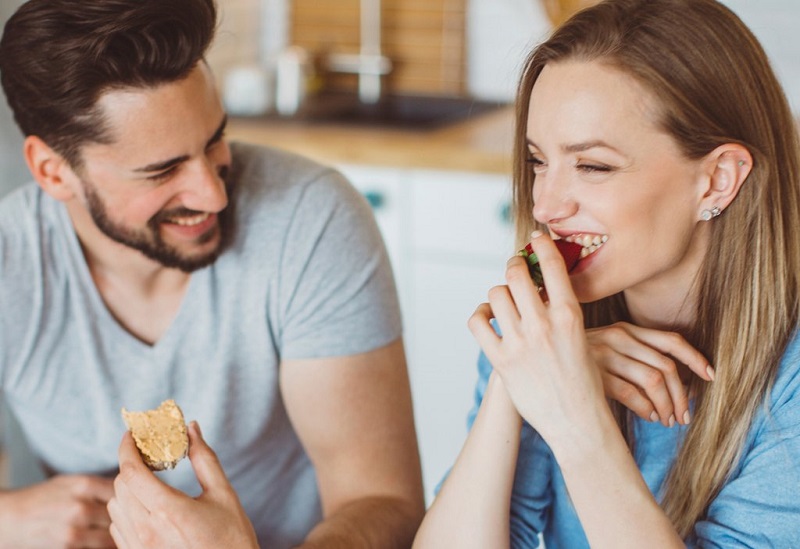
{"x": 248, "y": 91}
{"x": 291, "y": 74}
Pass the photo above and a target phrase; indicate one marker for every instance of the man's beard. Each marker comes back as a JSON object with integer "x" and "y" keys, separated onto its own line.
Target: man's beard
{"x": 149, "y": 241}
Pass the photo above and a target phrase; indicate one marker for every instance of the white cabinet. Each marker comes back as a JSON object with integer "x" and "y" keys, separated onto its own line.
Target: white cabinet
{"x": 385, "y": 190}
{"x": 449, "y": 237}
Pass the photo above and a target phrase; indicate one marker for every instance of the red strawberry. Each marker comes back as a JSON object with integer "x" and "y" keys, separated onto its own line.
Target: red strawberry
{"x": 570, "y": 251}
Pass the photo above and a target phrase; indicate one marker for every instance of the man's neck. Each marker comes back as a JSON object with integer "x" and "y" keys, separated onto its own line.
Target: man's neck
{"x": 143, "y": 295}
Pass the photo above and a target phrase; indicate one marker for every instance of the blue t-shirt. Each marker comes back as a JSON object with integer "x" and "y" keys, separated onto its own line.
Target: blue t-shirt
{"x": 759, "y": 506}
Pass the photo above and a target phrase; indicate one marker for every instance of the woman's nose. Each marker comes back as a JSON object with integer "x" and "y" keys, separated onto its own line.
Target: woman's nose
{"x": 552, "y": 200}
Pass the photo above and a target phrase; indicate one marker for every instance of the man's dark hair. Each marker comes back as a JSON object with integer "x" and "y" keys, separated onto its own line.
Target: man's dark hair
{"x": 57, "y": 57}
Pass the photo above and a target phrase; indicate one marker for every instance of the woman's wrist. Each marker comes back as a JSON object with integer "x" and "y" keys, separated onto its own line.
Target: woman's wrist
{"x": 581, "y": 442}
{"x": 498, "y": 398}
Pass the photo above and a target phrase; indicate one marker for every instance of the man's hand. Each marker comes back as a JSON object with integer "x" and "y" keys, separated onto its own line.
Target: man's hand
{"x": 65, "y": 511}
{"x": 641, "y": 369}
{"x": 146, "y": 513}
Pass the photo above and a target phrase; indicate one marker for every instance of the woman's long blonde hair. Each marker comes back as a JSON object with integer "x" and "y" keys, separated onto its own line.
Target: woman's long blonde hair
{"x": 714, "y": 85}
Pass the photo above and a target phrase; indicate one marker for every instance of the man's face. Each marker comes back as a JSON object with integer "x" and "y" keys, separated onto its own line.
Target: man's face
{"x": 159, "y": 186}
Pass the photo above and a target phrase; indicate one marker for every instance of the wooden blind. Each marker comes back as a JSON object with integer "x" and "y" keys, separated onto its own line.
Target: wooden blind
{"x": 423, "y": 38}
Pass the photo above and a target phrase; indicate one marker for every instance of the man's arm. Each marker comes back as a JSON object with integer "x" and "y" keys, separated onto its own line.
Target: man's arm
{"x": 64, "y": 511}
{"x": 354, "y": 416}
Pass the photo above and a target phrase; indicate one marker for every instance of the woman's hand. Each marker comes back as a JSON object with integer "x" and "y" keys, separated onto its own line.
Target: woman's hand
{"x": 146, "y": 513}
{"x": 543, "y": 356}
{"x": 641, "y": 369}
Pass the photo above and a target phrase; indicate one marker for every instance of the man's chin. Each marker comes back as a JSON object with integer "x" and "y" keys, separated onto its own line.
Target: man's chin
{"x": 187, "y": 264}
{"x": 204, "y": 253}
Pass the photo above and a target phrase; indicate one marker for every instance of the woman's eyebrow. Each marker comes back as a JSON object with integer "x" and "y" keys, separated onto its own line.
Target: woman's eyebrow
{"x": 586, "y": 145}
{"x": 582, "y": 146}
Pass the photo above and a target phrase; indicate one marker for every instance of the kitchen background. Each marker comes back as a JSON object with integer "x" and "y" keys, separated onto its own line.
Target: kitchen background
{"x": 434, "y": 163}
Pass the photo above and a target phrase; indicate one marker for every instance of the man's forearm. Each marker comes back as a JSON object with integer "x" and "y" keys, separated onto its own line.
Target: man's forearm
{"x": 374, "y": 522}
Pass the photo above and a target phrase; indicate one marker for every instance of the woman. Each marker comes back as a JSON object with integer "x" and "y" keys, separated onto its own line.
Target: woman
{"x": 655, "y": 133}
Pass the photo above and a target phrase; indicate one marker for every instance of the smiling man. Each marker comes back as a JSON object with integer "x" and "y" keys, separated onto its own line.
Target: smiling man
{"x": 152, "y": 260}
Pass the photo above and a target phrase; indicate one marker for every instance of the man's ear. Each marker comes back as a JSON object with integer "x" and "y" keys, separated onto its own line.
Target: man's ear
{"x": 50, "y": 170}
{"x": 726, "y": 169}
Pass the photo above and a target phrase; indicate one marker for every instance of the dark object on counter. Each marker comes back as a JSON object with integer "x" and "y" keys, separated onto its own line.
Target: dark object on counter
{"x": 401, "y": 111}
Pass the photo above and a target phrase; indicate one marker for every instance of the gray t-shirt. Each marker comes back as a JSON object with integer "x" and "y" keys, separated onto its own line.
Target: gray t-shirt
{"x": 305, "y": 275}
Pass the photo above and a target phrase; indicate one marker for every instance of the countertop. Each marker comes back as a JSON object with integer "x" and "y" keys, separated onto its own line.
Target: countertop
{"x": 482, "y": 143}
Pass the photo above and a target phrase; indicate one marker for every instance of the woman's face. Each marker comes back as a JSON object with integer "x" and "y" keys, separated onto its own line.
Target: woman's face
{"x": 607, "y": 174}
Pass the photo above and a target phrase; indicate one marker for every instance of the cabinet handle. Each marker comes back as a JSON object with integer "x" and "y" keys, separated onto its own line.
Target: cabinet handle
{"x": 505, "y": 213}
{"x": 376, "y": 199}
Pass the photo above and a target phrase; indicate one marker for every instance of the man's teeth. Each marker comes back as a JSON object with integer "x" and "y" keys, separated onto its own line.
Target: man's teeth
{"x": 189, "y": 221}
{"x": 590, "y": 243}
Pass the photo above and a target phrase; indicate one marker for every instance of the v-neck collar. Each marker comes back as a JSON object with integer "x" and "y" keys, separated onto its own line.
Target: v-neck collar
{"x": 104, "y": 316}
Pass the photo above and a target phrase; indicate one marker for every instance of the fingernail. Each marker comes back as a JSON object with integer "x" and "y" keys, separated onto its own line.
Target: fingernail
{"x": 672, "y": 420}
{"x": 654, "y": 417}
{"x": 536, "y": 234}
{"x": 711, "y": 373}
{"x": 687, "y": 418}
{"x": 197, "y": 428}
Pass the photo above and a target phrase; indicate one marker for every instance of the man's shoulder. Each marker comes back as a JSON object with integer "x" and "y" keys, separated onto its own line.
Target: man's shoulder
{"x": 273, "y": 166}
{"x": 22, "y": 211}
{"x": 275, "y": 185}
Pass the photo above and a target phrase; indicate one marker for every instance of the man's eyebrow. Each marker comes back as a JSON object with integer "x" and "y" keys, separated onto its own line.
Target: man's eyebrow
{"x": 167, "y": 164}
{"x": 217, "y": 137}
{"x": 162, "y": 166}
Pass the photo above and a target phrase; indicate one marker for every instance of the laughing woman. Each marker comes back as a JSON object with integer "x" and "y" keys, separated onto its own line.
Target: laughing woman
{"x": 655, "y": 133}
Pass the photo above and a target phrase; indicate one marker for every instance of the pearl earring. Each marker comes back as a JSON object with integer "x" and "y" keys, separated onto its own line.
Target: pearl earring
{"x": 707, "y": 215}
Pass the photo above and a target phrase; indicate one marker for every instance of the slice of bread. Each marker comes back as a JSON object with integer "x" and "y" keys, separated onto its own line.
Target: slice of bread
{"x": 160, "y": 435}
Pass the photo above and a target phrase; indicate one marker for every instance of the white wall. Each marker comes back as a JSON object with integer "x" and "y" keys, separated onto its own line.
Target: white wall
{"x": 12, "y": 168}
{"x": 776, "y": 24}
{"x": 501, "y": 32}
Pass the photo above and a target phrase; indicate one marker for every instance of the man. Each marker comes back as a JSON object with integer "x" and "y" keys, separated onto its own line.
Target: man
{"x": 153, "y": 261}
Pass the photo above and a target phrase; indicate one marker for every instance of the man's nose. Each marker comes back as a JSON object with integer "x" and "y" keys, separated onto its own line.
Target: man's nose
{"x": 205, "y": 190}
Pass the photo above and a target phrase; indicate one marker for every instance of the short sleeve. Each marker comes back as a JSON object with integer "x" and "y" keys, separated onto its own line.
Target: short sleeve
{"x": 760, "y": 505}
{"x": 337, "y": 291}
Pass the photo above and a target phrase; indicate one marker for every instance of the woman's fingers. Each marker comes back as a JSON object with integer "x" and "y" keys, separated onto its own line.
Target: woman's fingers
{"x": 652, "y": 383}
{"x": 523, "y": 291}
{"x": 628, "y": 395}
{"x": 674, "y": 345}
{"x": 480, "y": 324}
{"x": 554, "y": 270}
{"x": 504, "y": 309}
{"x": 650, "y": 359}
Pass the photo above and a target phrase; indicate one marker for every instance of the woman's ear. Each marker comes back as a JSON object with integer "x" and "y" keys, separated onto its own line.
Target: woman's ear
{"x": 50, "y": 170}
{"x": 726, "y": 169}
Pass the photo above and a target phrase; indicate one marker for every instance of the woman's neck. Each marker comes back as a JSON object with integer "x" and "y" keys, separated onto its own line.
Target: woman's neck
{"x": 670, "y": 302}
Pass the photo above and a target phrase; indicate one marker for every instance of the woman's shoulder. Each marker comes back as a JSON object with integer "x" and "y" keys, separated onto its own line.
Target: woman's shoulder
{"x": 779, "y": 418}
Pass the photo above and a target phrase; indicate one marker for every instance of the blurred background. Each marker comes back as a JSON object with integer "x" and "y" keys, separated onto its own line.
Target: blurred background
{"x": 411, "y": 100}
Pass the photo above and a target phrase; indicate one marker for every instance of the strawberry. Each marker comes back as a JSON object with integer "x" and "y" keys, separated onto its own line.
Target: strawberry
{"x": 570, "y": 251}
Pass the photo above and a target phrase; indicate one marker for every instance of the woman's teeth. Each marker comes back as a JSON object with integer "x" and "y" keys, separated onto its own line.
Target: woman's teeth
{"x": 590, "y": 243}
{"x": 190, "y": 221}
